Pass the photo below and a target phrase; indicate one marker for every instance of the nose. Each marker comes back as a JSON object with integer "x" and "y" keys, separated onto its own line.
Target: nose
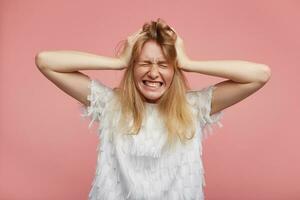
{"x": 153, "y": 73}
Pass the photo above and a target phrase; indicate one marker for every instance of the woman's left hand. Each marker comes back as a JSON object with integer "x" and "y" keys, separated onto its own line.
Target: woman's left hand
{"x": 182, "y": 58}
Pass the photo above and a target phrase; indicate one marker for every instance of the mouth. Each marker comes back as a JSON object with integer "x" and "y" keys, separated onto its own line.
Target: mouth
{"x": 152, "y": 84}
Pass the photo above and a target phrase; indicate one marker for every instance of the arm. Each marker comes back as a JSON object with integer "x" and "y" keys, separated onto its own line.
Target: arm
{"x": 236, "y": 70}
{"x": 62, "y": 68}
{"x": 71, "y": 61}
{"x": 245, "y": 77}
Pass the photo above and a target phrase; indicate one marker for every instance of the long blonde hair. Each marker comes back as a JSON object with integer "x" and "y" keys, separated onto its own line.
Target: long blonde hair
{"x": 173, "y": 105}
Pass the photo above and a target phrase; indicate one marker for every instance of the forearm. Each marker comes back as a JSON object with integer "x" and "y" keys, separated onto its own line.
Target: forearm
{"x": 70, "y": 61}
{"x": 236, "y": 70}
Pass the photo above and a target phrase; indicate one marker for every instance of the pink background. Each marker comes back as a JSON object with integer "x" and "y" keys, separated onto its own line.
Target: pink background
{"x": 46, "y": 149}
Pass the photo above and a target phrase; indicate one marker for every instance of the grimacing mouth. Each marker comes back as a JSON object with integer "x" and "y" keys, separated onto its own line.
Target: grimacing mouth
{"x": 144, "y": 82}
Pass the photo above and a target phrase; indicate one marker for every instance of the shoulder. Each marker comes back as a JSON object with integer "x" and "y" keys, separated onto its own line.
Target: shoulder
{"x": 201, "y": 95}
{"x": 100, "y": 91}
{"x": 98, "y": 87}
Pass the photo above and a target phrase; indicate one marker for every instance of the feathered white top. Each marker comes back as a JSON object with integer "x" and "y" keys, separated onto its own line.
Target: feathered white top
{"x": 136, "y": 167}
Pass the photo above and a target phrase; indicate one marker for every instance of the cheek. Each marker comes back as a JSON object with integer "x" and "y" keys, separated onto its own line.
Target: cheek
{"x": 169, "y": 77}
{"x": 137, "y": 75}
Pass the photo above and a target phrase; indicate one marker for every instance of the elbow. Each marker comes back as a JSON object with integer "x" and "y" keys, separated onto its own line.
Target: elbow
{"x": 39, "y": 60}
{"x": 265, "y": 74}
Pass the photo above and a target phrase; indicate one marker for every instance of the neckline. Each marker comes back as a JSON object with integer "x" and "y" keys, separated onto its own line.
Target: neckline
{"x": 151, "y": 104}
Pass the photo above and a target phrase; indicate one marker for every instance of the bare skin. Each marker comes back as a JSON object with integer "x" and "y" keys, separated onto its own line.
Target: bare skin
{"x": 152, "y": 73}
{"x": 62, "y": 67}
{"x": 244, "y": 77}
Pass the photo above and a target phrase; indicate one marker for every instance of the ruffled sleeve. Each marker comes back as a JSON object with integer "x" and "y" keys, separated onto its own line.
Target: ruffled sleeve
{"x": 98, "y": 97}
{"x": 201, "y": 101}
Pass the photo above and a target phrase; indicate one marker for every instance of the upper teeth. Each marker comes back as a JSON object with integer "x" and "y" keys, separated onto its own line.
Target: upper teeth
{"x": 152, "y": 84}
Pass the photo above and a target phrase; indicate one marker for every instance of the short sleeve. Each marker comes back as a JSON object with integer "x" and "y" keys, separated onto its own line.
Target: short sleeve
{"x": 201, "y": 101}
{"x": 98, "y": 97}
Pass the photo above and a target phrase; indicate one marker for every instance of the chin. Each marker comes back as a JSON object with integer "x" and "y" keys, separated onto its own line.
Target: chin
{"x": 151, "y": 99}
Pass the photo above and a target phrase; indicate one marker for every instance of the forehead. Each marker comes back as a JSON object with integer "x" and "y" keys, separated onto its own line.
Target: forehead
{"x": 152, "y": 51}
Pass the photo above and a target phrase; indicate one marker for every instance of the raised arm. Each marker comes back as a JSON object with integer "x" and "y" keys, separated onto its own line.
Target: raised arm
{"x": 62, "y": 67}
{"x": 71, "y": 61}
{"x": 245, "y": 77}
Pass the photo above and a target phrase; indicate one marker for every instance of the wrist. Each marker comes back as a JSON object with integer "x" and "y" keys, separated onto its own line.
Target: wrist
{"x": 185, "y": 63}
{"x": 122, "y": 63}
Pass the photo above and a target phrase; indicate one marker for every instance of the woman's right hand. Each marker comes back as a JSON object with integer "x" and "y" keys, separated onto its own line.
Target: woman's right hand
{"x": 127, "y": 50}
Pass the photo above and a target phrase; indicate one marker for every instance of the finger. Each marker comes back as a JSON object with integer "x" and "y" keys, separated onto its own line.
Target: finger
{"x": 173, "y": 29}
{"x": 135, "y": 34}
{"x": 138, "y": 32}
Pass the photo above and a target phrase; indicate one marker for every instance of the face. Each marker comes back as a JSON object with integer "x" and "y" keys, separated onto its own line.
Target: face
{"x": 153, "y": 75}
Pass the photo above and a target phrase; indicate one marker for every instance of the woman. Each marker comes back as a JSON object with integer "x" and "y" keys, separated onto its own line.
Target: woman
{"x": 152, "y": 125}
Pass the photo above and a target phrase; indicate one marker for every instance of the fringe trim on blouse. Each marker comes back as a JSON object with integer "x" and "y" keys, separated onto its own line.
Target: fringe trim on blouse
{"x": 136, "y": 167}
{"x": 98, "y": 97}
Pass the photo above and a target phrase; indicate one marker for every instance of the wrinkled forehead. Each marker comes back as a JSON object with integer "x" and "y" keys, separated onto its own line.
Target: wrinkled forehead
{"x": 152, "y": 52}
{"x": 152, "y": 59}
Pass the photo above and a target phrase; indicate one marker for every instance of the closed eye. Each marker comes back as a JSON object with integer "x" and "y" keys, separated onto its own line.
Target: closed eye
{"x": 144, "y": 64}
{"x": 164, "y": 66}
{"x": 161, "y": 64}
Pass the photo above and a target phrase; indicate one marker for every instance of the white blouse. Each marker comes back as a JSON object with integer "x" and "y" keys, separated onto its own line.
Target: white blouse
{"x": 137, "y": 167}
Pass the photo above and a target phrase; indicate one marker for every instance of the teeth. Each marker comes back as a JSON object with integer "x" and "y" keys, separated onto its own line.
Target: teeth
{"x": 152, "y": 84}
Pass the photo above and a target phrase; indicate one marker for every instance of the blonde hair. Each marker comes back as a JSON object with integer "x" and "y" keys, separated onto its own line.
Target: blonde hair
{"x": 173, "y": 105}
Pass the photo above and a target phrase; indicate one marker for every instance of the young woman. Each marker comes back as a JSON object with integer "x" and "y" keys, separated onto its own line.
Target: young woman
{"x": 152, "y": 125}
